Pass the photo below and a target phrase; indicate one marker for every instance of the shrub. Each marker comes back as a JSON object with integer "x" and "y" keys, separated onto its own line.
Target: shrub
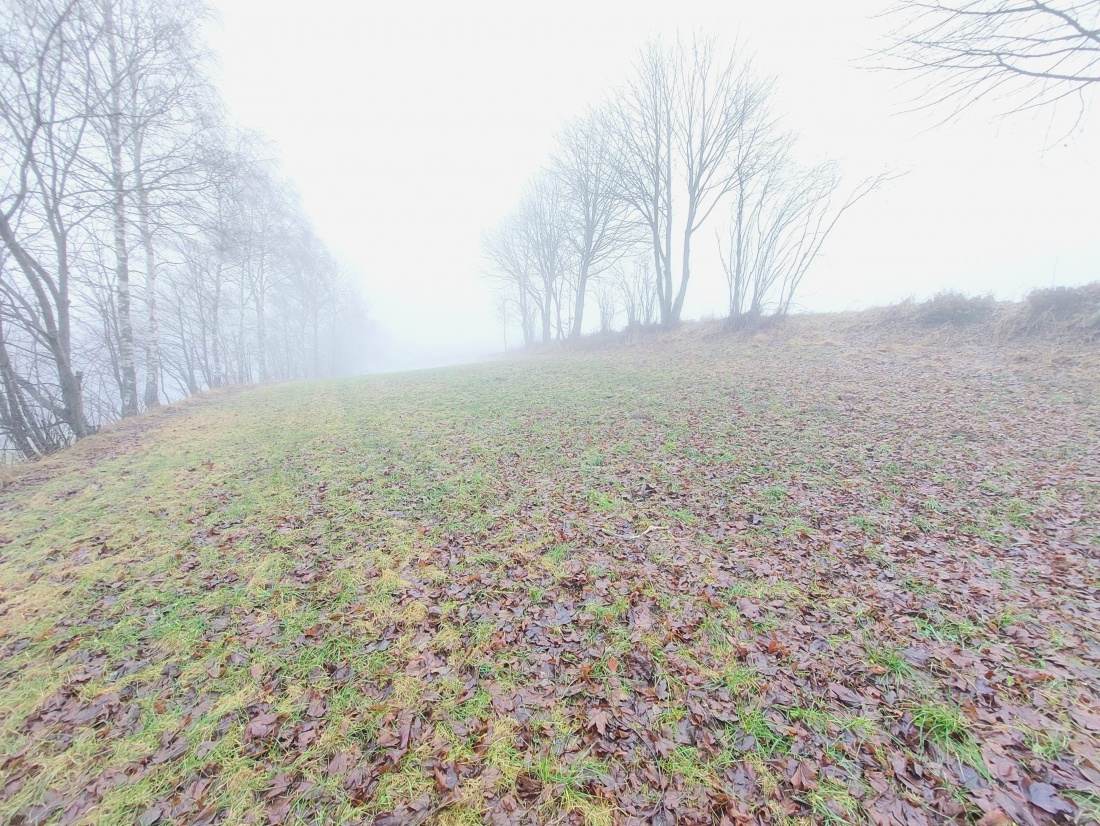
{"x": 1058, "y": 309}
{"x": 954, "y": 308}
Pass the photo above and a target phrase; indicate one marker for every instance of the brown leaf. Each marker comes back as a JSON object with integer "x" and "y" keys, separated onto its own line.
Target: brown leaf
{"x": 845, "y": 695}
{"x": 171, "y": 751}
{"x": 748, "y": 608}
{"x": 279, "y": 784}
{"x": 446, "y": 778}
{"x": 802, "y": 775}
{"x": 317, "y": 705}
{"x": 278, "y": 810}
{"x": 339, "y": 764}
{"x": 1085, "y": 718}
{"x": 598, "y": 720}
{"x": 917, "y": 656}
{"x": 642, "y": 618}
{"x": 1046, "y": 798}
{"x": 260, "y": 726}
{"x": 527, "y": 787}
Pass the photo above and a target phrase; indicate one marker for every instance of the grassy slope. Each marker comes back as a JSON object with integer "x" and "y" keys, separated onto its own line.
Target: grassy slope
{"x": 816, "y": 575}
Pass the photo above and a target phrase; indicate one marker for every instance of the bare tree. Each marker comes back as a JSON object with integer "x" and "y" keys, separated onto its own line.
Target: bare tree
{"x": 596, "y": 216}
{"x": 1037, "y": 51}
{"x": 504, "y": 313}
{"x": 111, "y": 138}
{"x": 112, "y": 81}
{"x": 268, "y": 213}
{"x": 635, "y": 284}
{"x": 722, "y": 103}
{"x": 607, "y": 302}
{"x": 752, "y": 235}
{"x": 167, "y": 99}
{"x": 645, "y": 147}
{"x": 818, "y": 213}
{"x": 530, "y": 258}
{"x": 681, "y": 122}
{"x": 43, "y": 114}
{"x": 778, "y": 225}
{"x": 542, "y": 220}
{"x": 147, "y": 77}
{"x": 509, "y": 257}
{"x": 763, "y": 150}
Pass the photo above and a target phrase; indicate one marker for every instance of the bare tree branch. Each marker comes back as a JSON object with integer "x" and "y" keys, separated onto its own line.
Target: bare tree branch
{"x": 1032, "y": 52}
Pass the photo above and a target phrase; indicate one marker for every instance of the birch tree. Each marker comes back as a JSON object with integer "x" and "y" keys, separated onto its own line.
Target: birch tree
{"x": 111, "y": 81}
{"x": 168, "y": 109}
{"x": 119, "y": 169}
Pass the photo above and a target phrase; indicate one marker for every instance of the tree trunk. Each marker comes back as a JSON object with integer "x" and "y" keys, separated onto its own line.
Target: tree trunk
{"x": 547, "y": 306}
{"x": 122, "y": 263}
{"x": 658, "y": 269}
{"x": 152, "y": 347}
{"x": 737, "y": 293}
{"x": 261, "y": 320}
{"x": 666, "y": 298}
{"x": 56, "y": 331}
{"x": 685, "y": 273}
{"x": 578, "y": 308}
{"x": 316, "y": 345}
{"x": 18, "y": 425}
{"x": 215, "y": 335}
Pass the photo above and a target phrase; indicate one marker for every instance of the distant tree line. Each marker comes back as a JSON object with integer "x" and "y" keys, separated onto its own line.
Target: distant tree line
{"x": 614, "y": 215}
{"x": 148, "y": 248}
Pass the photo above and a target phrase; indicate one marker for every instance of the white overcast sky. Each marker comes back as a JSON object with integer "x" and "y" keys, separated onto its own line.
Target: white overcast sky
{"x": 410, "y": 128}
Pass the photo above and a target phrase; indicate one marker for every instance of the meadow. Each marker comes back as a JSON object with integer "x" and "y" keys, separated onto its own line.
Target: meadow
{"x": 827, "y": 573}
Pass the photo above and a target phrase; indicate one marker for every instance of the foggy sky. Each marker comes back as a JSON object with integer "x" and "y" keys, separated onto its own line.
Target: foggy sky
{"x": 411, "y": 127}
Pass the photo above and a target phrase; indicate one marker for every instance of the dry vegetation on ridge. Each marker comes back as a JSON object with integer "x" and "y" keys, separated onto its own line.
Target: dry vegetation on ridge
{"x": 822, "y": 574}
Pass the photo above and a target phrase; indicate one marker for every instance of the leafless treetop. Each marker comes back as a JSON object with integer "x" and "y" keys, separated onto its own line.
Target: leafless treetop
{"x": 1035, "y": 52}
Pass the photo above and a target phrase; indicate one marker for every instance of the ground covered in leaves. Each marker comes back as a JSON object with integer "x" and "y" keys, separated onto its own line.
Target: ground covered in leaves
{"x": 823, "y": 574}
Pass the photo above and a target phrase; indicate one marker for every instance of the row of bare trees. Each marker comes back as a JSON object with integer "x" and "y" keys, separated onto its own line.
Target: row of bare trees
{"x": 148, "y": 249}
{"x": 691, "y": 138}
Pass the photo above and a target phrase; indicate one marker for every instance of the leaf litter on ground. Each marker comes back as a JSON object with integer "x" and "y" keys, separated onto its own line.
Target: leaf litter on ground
{"x": 823, "y": 574}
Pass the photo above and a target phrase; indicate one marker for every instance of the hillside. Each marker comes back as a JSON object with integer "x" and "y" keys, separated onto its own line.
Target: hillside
{"x": 821, "y": 574}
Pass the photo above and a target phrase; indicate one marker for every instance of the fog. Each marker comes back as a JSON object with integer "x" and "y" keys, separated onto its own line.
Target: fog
{"x": 411, "y": 129}
{"x": 267, "y": 557}
{"x": 193, "y": 198}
